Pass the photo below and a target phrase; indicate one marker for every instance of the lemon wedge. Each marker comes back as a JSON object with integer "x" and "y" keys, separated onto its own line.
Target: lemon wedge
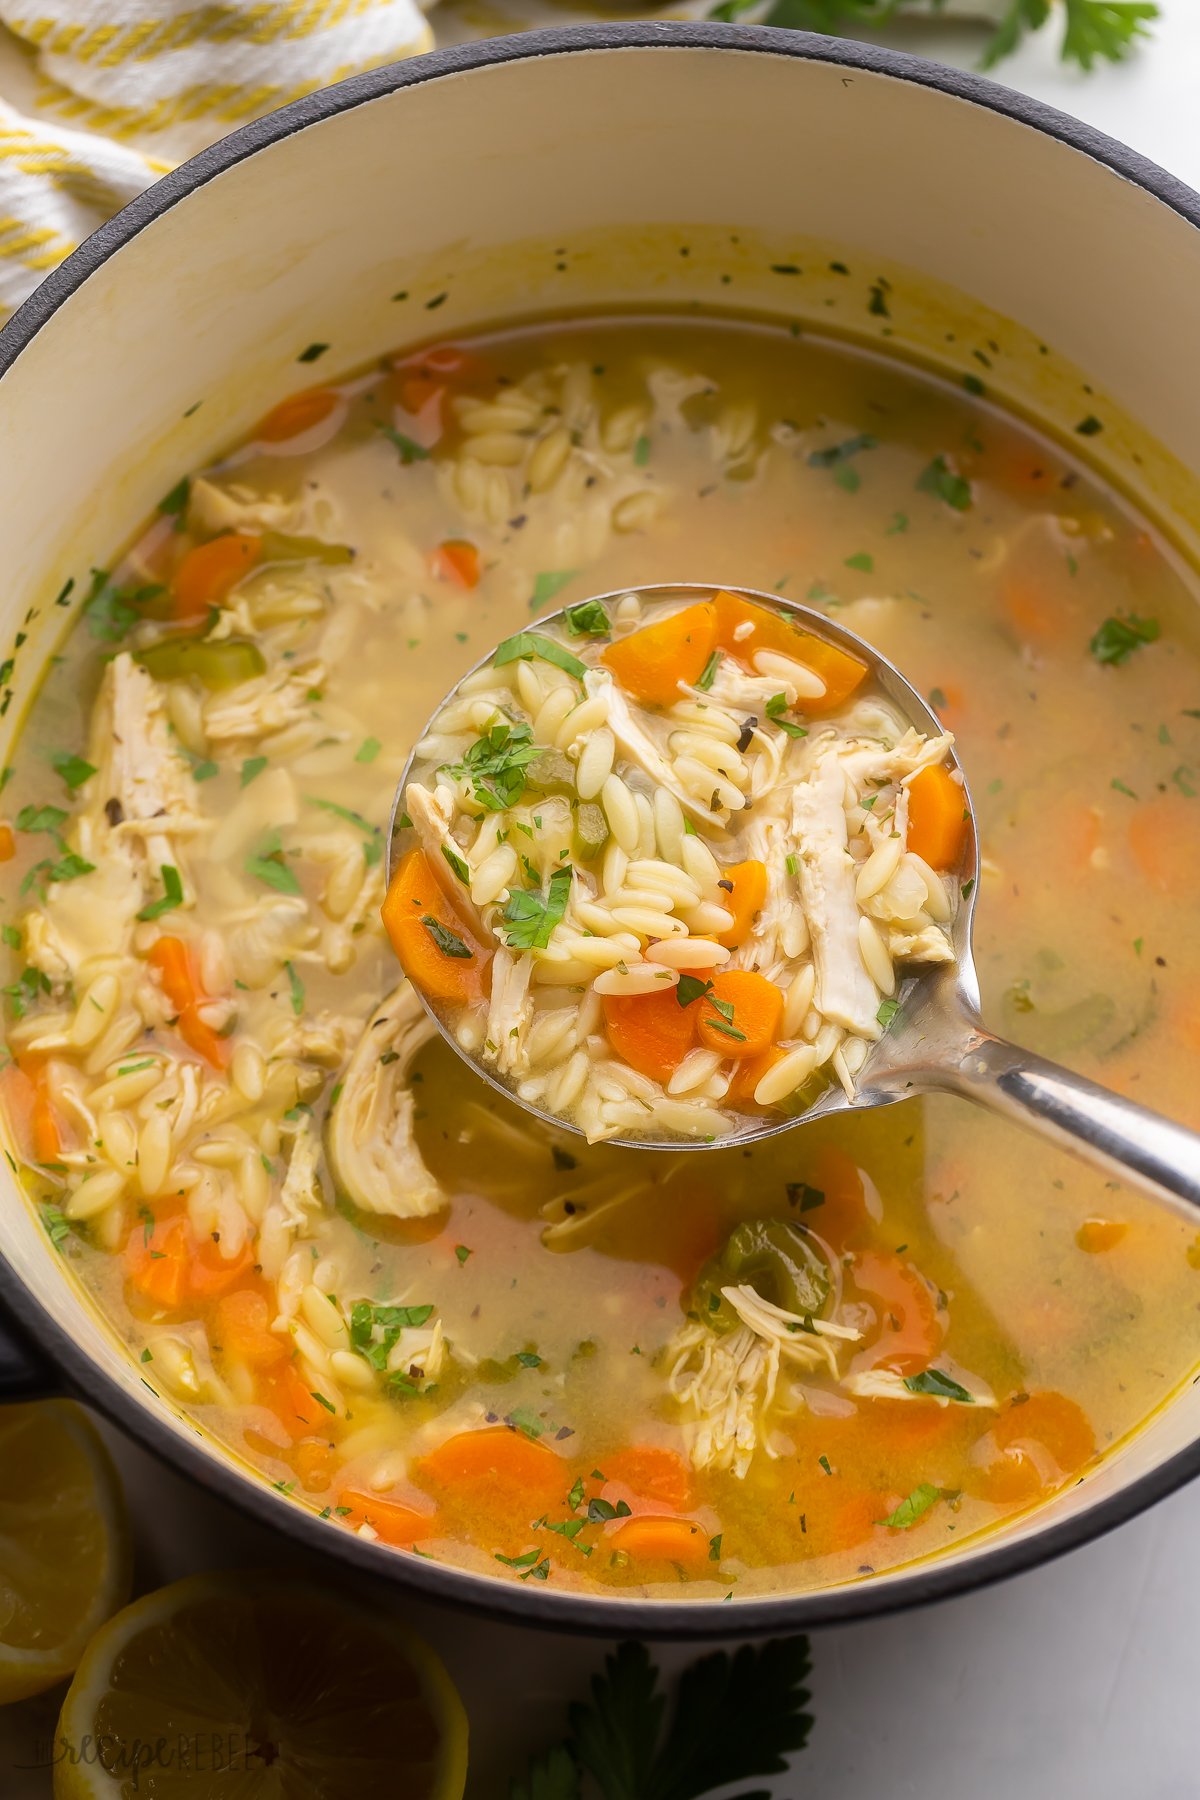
{"x": 64, "y": 1543}
{"x": 258, "y": 1688}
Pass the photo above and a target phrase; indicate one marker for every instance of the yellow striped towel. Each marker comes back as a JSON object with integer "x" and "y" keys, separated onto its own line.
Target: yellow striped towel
{"x": 103, "y": 96}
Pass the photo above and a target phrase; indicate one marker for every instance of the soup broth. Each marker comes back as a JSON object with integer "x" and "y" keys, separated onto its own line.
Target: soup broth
{"x": 419, "y": 1313}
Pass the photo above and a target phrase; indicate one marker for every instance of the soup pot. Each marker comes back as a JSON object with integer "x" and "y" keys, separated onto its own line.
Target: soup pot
{"x": 837, "y": 186}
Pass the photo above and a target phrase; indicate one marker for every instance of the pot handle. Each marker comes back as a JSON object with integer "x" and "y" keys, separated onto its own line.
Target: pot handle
{"x": 25, "y": 1374}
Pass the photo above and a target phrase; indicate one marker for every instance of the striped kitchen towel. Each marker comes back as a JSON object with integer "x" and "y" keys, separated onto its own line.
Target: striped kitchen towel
{"x": 101, "y": 97}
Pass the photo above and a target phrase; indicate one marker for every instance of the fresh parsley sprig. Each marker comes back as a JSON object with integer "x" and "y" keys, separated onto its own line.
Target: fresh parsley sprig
{"x": 735, "y": 1718}
{"x": 1093, "y": 30}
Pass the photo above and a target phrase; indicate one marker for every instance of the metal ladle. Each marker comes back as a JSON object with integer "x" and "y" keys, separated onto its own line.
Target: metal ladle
{"x": 937, "y": 1042}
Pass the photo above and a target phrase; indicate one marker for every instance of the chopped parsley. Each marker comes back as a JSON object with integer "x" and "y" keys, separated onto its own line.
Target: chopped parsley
{"x": 253, "y": 765}
{"x": 942, "y": 481}
{"x": 889, "y": 1010}
{"x": 521, "y": 1419}
{"x": 448, "y": 942}
{"x": 496, "y": 764}
{"x": 862, "y": 560}
{"x": 530, "y": 919}
{"x": 940, "y": 1385}
{"x": 175, "y": 503}
{"x": 58, "y": 1226}
{"x": 915, "y": 1507}
{"x": 840, "y": 453}
{"x": 297, "y": 989}
{"x": 588, "y": 619}
{"x": 375, "y": 1330}
{"x": 599, "y": 1511}
{"x": 410, "y": 450}
{"x": 458, "y": 864}
{"x": 462, "y": 1252}
{"x": 806, "y": 1197}
{"x": 368, "y": 750}
{"x": 525, "y": 645}
{"x": 775, "y": 708}
{"x": 1118, "y": 637}
{"x": 172, "y": 894}
{"x": 708, "y": 673}
{"x": 268, "y": 866}
{"x": 73, "y": 769}
{"x": 547, "y": 584}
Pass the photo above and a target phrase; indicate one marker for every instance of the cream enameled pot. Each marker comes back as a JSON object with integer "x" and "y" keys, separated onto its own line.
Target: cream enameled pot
{"x": 833, "y": 185}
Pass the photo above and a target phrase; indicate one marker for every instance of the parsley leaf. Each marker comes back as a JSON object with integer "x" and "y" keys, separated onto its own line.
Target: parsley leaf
{"x": 448, "y": 942}
{"x": 914, "y": 1507}
{"x": 940, "y": 479}
{"x": 588, "y": 619}
{"x": 410, "y": 450}
{"x": 73, "y": 769}
{"x": 297, "y": 989}
{"x": 496, "y": 764}
{"x": 775, "y": 708}
{"x": 530, "y": 918}
{"x": 458, "y": 863}
{"x": 268, "y": 866}
{"x": 41, "y": 818}
{"x": 689, "y": 988}
{"x": 253, "y": 765}
{"x": 172, "y": 894}
{"x": 547, "y": 584}
{"x": 840, "y": 453}
{"x": 368, "y": 750}
{"x": 527, "y": 644}
{"x": 940, "y": 1385}
{"x": 708, "y": 673}
{"x": 1118, "y": 638}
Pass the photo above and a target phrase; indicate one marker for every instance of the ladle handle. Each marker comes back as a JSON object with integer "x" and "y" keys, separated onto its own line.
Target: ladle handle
{"x": 1124, "y": 1139}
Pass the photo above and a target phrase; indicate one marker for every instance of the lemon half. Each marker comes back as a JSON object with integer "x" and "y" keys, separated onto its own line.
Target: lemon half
{"x": 64, "y": 1543}
{"x": 258, "y": 1688}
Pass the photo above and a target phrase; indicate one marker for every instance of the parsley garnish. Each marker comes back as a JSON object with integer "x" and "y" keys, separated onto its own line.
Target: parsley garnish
{"x": 462, "y": 1253}
{"x": 410, "y": 450}
{"x": 73, "y": 769}
{"x": 840, "y": 453}
{"x": 496, "y": 764}
{"x": 297, "y": 988}
{"x": 862, "y": 560}
{"x": 448, "y": 942}
{"x": 708, "y": 673}
{"x": 888, "y": 1011}
{"x": 736, "y": 1717}
{"x": 176, "y": 501}
{"x": 775, "y": 708}
{"x": 547, "y": 584}
{"x": 458, "y": 864}
{"x": 600, "y": 1511}
{"x": 58, "y": 1226}
{"x": 525, "y": 645}
{"x": 41, "y": 818}
{"x": 1118, "y": 637}
{"x": 940, "y": 479}
{"x": 800, "y": 1193}
{"x": 253, "y": 765}
{"x": 374, "y": 1330}
{"x": 530, "y": 918}
{"x": 269, "y": 866}
{"x": 915, "y": 1507}
{"x": 172, "y": 894}
{"x": 112, "y": 611}
{"x": 588, "y": 619}
{"x": 368, "y": 750}
{"x": 940, "y": 1385}
{"x": 525, "y": 1421}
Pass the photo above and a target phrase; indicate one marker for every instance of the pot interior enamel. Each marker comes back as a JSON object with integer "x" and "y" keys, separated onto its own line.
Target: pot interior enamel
{"x": 666, "y": 166}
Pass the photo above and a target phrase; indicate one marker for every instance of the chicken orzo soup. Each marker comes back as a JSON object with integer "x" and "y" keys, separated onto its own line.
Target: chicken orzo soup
{"x": 420, "y": 1314}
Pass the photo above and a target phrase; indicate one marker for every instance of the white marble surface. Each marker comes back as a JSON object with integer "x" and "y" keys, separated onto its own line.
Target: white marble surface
{"x": 1074, "y": 1680}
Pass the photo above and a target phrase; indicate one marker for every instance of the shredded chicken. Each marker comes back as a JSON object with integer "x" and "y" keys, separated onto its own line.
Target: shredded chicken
{"x": 269, "y": 703}
{"x": 638, "y": 746}
{"x": 509, "y": 1012}
{"x": 885, "y": 1384}
{"x": 845, "y": 993}
{"x": 371, "y": 1147}
{"x": 431, "y": 822}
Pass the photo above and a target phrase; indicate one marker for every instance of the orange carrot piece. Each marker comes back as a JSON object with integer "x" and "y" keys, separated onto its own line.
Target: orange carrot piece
{"x": 651, "y": 1032}
{"x": 390, "y": 1520}
{"x": 29, "y": 1112}
{"x": 909, "y": 1332}
{"x": 314, "y": 1463}
{"x": 855, "y": 1520}
{"x": 757, "y": 1014}
{"x": 743, "y": 628}
{"x": 156, "y": 1262}
{"x": 937, "y": 817}
{"x": 169, "y": 955}
{"x": 646, "y": 1538}
{"x": 242, "y": 1330}
{"x": 655, "y": 1476}
{"x": 415, "y": 903}
{"x": 212, "y": 1274}
{"x": 207, "y": 573}
{"x": 842, "y": 1213}
{"x": 744, "y": 899}
{"x": 8, "y": 843}
{"x": 299, "y": 412}
{"x": 650, "y": 663}
{"x": 1035, "y": 1445}
{"x": 457, "y": 560}
{"x": 1097, "y": 1235}
{"x": 496, "y": 1466}
{"x": 1165, "y": 843}
{"x": 47, "y": 1139}
{"x": 288, "y": 1396}
{"x": 749, "y": 1072}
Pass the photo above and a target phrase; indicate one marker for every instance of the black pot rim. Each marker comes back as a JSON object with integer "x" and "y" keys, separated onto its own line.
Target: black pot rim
{"x": 498, "y": 1597}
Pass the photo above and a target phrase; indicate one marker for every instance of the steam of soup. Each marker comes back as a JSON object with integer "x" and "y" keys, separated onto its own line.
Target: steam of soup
{"x": 421, "y": 1315}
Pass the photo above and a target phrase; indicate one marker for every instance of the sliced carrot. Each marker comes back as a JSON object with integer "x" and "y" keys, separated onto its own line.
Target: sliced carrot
{"x": 314, "y": 1463}
{"x": 1166, "y": 844}
{"x": 1034, "y": 1445}
{"x": 937, "y": 817}
{"x": 1097, "y": 1235}
{"x": 651, "y": 1032}
{"x": 651, "y": 663}
{"x": 47, "y": 1139}
{"x": 242, "y": 1330}
{"x": 646, "y": 1538}
{"x": 8, "y": 843}
{"x": 390, "y": 1520}
{"x": 211, "y": 1273}
{"x": 841, "y": 1212}
{"x": 757, "y": 1011}
{"x": 207, "y": 573}
{"x": 744, "y": 898}
{"x": 156, "y": 1262}
{"x": 457, "y": 560}
{"x": 909, "y": 1332}
{"x": 496, "y": 1467}
{"x": 428, "y": 935}
{"x": 855, "y": 1519}
{"x": 29, "y": 1110}
{"x": 287, "y": 1394}
{"x": 169, "y": 955}
{"x": 749, "y": 1072}
{"x": 743, "y": 628}
{"x": 299, "y": 412}
{"x": 654, "y": 1476}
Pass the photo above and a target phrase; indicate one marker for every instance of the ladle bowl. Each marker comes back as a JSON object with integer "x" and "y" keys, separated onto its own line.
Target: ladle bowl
{"x": 937, "y": 1040}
